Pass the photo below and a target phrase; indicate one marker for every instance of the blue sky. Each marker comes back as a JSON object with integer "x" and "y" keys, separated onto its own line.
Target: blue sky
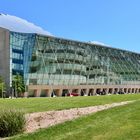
{"x": 113, "y": 22}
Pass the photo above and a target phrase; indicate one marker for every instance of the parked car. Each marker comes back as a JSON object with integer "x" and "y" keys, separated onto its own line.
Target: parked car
{"x": 73, "y": 94}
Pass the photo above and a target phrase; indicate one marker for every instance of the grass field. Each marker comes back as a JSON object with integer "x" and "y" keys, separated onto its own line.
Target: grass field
{"x": 46, "y": 104}
{"x": 119, "y": 123}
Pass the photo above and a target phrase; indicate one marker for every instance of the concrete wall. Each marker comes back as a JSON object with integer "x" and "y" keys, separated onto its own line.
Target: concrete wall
{"x": 5, "y": 57}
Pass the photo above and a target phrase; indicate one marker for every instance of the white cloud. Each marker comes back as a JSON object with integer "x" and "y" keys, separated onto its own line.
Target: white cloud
{"x": 98, "y": 43}
{"x": 17, "y": 24}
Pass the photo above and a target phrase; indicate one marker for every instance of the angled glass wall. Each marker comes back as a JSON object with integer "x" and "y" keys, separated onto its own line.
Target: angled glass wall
{"x": 56, "y": 61}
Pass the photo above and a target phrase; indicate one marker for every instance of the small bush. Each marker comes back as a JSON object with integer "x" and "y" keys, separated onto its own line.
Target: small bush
{"x": 31, "y": 94}
{"x": 11, "y": 122}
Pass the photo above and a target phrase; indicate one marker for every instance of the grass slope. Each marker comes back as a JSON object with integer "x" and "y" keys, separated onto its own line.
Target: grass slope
{"x": 119, "y": 123}
{"x": 46, "y": 104}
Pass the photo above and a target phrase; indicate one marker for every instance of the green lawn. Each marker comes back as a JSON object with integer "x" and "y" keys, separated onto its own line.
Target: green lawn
{"x": 119, "y": 123}
{"x": 45, "y": 104}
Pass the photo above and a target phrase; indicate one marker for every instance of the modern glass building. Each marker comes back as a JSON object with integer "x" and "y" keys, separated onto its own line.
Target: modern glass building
{"x": 61, "y": 66}
{"x": 51, "y": 61}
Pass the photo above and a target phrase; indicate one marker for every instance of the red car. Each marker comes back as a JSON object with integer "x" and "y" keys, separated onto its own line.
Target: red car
{"x": 73, "y": 94}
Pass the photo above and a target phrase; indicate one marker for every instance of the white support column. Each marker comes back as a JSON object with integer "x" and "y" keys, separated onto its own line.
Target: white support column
{"x": 49, "y": 92}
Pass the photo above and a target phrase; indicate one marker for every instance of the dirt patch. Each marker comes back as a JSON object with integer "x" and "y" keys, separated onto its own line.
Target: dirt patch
{"x": 46, "y": 119}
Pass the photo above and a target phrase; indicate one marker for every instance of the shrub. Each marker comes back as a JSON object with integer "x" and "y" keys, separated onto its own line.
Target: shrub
{"x": 11, "y": 122}
{"x": 31, "y": 94}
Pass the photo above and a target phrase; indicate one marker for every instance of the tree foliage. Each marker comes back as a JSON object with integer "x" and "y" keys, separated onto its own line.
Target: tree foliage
{"x": 18, "y": 84}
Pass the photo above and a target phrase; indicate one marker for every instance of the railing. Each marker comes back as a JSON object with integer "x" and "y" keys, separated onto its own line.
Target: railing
{"x": 77, "y": 67}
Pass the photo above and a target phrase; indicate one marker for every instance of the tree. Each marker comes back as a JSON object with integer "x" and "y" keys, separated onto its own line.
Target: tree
{"x": 18, "y": 85}
{"x": 2, "y": 87}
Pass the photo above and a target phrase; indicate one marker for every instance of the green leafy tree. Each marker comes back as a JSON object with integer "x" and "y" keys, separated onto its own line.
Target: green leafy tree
{"x": 18, "y": 85}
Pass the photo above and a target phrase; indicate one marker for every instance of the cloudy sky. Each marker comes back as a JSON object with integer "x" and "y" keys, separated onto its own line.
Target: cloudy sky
{"x": 112, "y": 22}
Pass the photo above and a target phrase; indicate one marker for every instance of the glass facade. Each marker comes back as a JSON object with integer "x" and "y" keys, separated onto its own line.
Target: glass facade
{"x": 45, "y": 60}
{"x": 21, "y": 46}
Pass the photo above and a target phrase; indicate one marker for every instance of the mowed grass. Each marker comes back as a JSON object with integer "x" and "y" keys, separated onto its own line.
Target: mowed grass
{"x": 29, "y": 105}
{"x": 119, "y": 123}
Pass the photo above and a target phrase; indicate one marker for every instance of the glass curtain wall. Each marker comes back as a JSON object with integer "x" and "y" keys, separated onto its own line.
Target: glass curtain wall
{"x": 21, "y": 46}
{"x": 56, "y": 61}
